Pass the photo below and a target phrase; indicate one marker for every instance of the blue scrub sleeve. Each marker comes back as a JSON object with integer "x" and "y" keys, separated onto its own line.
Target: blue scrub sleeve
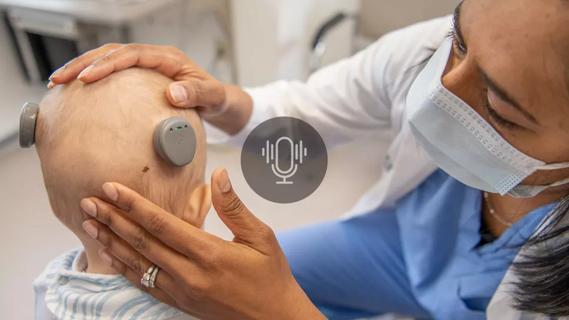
{"x": 352, "y": 268}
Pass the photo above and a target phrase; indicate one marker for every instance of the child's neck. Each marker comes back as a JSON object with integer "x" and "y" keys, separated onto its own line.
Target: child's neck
{"x": 94, "y": 263}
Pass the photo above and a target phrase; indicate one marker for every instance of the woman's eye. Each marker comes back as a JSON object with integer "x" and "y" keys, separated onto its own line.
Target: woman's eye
{"x": 498, "y": 119}
{"x": 458, "y": 46}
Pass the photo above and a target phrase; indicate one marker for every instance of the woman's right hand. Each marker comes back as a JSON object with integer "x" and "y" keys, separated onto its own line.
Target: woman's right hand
{"x": 227, "y": 107}
{"x": 200, "y": 273}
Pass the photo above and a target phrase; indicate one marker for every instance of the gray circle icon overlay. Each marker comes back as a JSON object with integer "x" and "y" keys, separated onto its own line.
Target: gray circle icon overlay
{"x": 284, "y": 160}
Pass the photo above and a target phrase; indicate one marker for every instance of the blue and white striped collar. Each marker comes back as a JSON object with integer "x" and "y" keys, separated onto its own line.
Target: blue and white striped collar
{"x": 72, "y": 294}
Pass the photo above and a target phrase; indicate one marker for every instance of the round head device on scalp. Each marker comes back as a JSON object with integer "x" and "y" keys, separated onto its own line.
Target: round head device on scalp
{"x": 175, "y": 141}
{"x": 28, "y": 120}
{"x": 174, "y": 138}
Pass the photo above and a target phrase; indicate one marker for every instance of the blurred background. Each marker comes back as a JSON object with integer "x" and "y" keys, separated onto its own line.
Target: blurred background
{"x": 249, "y": 42}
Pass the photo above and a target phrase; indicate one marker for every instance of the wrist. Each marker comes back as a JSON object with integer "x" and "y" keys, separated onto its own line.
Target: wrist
{"x": 235, "y": 111}
{"x": 297, "y": 306}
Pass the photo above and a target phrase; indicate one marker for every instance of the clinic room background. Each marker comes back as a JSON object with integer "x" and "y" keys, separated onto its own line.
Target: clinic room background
{"x": 249, "y": 42}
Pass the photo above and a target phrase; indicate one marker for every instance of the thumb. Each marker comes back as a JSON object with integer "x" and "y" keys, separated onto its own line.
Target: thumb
{"x": 246, "y": 228}
{"x": 209, "y": 95}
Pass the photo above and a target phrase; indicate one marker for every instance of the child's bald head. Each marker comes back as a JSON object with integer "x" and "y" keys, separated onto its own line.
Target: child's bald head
{"x": 103, "y": 132}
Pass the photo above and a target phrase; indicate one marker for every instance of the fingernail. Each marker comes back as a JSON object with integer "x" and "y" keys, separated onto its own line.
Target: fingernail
{"x": 90, "y": 229}
{"x": 106, "y": 257}
{"x": 110, "y": 191}
{"x": 56, "y": 73}
{"x": 89, "y": 207}
{"x": 50, "y": 85}
{"x": 85, "y": 72}
{"x": 178, "y": 93}
{"x": 223, "y": 183}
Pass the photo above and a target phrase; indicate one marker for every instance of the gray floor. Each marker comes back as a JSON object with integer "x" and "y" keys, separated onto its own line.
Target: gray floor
{"x": 31, "y": 235}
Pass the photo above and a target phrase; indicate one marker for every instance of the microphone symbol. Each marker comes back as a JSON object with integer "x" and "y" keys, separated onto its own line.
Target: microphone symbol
{"x": 297, "y": 154}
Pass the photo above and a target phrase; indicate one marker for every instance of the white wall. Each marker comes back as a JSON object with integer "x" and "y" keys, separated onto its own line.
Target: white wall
{"x": 197, "y": 27}
{"x": 272, "y": 37}
{"x": 380, "y": 16}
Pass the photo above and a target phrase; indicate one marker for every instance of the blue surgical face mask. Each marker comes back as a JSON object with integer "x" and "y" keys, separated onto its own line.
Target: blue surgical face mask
{"x": 463, "y": 143}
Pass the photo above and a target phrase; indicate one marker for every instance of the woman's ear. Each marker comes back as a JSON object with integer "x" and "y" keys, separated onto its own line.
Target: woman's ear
{"x": 198, "y": 206}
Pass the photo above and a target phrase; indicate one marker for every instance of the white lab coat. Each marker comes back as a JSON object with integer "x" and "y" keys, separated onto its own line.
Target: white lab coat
{"x": 364, "y": 94}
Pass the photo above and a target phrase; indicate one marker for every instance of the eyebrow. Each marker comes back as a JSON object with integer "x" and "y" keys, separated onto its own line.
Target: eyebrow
{"x": 492, "y": 85}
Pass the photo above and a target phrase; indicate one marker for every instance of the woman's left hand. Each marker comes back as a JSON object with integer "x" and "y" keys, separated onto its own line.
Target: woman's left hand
{"x": 203, "y": 275}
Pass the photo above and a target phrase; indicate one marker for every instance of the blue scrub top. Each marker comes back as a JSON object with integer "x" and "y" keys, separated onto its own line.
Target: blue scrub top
{"x": 449, "y": 271}
{"x": 423, "y": 257}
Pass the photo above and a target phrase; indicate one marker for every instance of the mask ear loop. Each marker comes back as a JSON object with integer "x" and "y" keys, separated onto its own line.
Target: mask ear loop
{"x": 28, "y": 121}
{"x": 554, "y": 166}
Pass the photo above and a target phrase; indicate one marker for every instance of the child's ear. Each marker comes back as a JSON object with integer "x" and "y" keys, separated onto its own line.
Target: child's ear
{"x": 199, "y": 205}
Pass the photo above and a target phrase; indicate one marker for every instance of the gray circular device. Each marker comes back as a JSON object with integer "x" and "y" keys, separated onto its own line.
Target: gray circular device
{"x": 175, "y": 141}
{"x": 28, "y": 120}
{"x": 174, "y": 138}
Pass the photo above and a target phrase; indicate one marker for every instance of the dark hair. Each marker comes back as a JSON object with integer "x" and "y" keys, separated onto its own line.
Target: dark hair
{"x": 543, "y": 267}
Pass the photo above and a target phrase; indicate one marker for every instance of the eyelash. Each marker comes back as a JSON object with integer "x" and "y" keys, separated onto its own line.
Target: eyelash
{"x": 459, "y": 47}
{"x": 494, "y": 116}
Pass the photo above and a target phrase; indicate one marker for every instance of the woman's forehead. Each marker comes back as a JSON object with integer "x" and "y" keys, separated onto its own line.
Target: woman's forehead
{"x": 524, "y": 45}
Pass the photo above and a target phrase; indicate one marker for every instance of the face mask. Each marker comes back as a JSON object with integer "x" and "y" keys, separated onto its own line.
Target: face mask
{"x": 462, "y": 143}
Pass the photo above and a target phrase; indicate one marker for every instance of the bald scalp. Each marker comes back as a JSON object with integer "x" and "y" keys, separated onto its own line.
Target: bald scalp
{"x": 88, "y": 134}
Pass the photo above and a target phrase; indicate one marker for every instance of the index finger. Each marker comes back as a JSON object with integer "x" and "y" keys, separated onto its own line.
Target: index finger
{"x": 73, "y": 68}
{"x": 162, "y": 59}
{"x": 174, "y": 232}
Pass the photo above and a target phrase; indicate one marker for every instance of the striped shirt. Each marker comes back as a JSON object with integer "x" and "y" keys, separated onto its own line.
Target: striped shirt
{"x": 64, "y": 292}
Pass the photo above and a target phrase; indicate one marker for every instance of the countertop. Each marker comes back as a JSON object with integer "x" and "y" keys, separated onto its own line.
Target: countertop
{"x": 114, "y": 12}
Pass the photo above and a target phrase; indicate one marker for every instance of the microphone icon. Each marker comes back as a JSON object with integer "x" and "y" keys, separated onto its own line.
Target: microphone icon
{"x": 296, "y": 151}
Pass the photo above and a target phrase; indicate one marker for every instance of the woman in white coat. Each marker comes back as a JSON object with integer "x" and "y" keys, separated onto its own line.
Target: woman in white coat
{"x": 478, "y": 168}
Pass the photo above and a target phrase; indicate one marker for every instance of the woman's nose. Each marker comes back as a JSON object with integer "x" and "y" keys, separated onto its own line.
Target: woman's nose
{"x": 463, "y": 80}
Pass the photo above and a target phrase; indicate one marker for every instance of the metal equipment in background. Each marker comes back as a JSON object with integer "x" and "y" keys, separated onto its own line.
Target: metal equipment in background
{"x": 318, "y": 46}
{"x": 47, "y": 33}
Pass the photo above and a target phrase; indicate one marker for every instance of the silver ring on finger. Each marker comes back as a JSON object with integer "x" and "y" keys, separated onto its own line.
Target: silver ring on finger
{"x": 149, "y": 277}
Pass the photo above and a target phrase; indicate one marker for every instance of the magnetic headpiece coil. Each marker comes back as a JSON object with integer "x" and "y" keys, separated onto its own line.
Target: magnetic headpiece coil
{"x": 28, "y": 120}
{"x": 175, "y": 141}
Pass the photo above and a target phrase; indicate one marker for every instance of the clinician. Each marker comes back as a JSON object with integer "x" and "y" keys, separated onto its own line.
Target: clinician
{"x": 477, "y": 166}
